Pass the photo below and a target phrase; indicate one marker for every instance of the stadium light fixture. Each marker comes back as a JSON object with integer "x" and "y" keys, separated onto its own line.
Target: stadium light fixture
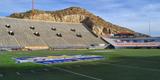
{"x": 11, "y": 33}
{"x": 8, "y": 25}
{"x": 72, "y": 29}
{"x": 32, "y": 27}
{"x": 78, "y": 35}
{"x": 53, "y": 28}
{"x": 36, "y": 34}
{"x": 59, "y": 34}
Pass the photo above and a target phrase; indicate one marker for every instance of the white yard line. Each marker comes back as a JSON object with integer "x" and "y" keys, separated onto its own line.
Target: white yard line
{"x": 1, "y": 75}
{"x": 133, "y": 67}
{"x": 65, "y": 70}
{"x": 102, "y": 51}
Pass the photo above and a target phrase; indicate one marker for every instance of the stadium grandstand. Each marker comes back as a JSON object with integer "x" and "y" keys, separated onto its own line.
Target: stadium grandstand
{"x": 143, "y": 42}
{"x": 17, "y": 34}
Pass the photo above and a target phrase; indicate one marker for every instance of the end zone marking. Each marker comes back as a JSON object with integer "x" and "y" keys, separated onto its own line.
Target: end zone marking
{"x": 65, "y": 70}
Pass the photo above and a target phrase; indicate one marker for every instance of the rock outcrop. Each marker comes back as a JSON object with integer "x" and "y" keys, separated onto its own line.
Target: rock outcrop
{"x": 75, "y": 15}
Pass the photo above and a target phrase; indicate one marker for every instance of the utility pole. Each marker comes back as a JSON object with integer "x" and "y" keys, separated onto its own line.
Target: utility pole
{"x": 32, "y": 8}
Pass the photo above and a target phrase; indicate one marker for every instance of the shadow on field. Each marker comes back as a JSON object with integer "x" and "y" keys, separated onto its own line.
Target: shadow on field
{"x": 151, "y": 62}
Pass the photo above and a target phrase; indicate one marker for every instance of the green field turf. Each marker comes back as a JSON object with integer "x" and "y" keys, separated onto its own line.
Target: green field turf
{"x": 121, "y": 64}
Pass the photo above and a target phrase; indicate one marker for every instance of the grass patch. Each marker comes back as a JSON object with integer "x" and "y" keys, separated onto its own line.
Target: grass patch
{"x": 120, "y": 64}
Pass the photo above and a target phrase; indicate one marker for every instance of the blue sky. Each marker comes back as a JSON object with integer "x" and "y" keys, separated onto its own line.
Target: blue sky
{"x": 133, "y": 14}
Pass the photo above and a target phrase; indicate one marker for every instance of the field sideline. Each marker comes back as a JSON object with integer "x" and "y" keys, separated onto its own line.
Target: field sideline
{"x": 120, "y": 64}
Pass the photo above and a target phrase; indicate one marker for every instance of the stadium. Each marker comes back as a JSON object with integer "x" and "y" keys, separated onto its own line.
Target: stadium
{"x": 74, "y": 44}
{"x": 17, "y": 34}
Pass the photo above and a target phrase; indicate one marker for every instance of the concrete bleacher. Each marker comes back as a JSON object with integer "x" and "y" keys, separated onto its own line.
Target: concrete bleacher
{"x": 5, "y": 39}
{"x": 24, "y": 37}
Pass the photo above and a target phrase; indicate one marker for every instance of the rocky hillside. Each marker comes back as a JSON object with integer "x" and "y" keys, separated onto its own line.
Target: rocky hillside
{"x": 75, "y": 15}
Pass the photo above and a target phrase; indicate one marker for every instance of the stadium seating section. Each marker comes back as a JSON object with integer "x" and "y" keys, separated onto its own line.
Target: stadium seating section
{"x": 16, "y": 33}
{"x": 134, "y": 42}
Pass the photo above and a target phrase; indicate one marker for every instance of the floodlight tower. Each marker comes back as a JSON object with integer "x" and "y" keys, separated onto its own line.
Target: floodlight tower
{"x": 149, "y": 27}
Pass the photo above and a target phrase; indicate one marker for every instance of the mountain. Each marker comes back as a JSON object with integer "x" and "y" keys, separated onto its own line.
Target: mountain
{"x": 94, "y": 23}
